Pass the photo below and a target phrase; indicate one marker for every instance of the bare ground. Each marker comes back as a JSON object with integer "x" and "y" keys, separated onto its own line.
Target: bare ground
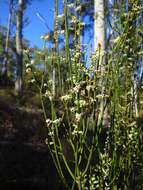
{"x": 25, "y": 162}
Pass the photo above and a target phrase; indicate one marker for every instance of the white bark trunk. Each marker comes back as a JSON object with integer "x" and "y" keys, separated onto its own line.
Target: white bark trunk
{"x": 99, "y": 25}
{"x": 99, "y": 46}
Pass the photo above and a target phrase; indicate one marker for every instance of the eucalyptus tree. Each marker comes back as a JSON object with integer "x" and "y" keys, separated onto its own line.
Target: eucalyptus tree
{"x": 100, "y": 54}
{"x": 99, "y": 25}
{"x": 19, "y": 46}
{"x": 5, "y": 60}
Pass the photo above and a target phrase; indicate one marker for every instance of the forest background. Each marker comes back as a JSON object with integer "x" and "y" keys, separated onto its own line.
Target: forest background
{"x": 74, "y": 87}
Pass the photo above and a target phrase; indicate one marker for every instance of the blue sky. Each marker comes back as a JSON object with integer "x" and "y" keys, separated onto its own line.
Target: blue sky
{"x": 35, "y": 29}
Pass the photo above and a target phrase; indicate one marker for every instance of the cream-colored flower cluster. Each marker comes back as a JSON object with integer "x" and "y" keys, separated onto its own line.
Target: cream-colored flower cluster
{"x": 45, "y": 37}
{"x": 29, "y": 66}
{"x": 76, "y": 131}
{"x": 54, "y": 122}
{"x": 66, "y": 97}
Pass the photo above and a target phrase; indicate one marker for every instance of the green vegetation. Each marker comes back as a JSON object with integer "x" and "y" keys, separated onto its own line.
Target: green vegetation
{"x": 93, "y": 114}
{"x": 92, "y": 129}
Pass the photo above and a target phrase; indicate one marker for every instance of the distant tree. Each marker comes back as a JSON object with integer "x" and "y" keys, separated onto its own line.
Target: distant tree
{"x": 19, "y": 46}
{"x": 5, "y": 60}
{"x": 11, "y": 66}
{"x": 10, "y": 58}
{"x": 2, "y": 44}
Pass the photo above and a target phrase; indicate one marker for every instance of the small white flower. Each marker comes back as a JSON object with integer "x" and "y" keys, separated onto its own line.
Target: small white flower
{"x": 46, "y": 141}
{"x": 116, "y": 40}
{"x": 45, "y": 85}
{"x": 33, "y": 80}
{"x": 27, "y": 65}
{"x": 50, "y": 82}
{"x": 71, "y": 5}
{"x": 61, "y": 16}
{"x": 45, "y": 37}
{"x": 51, "y": 134}
{"x": 77, "y": 132}
{"x": 32, "y": 61}
{"x": 78, "y": 117}
{"x": 66, "y": 97}
{"x": 51, "y": 143}
{"x": 62, "y": 31}
{"x": 42, "y": 37}
{"x": 40, "y": 53}
{"x": 81, "y": 103}
{"x": 82, "y": 93}
{"x": 47, "y": 93}
{"x": 50, "y": 98}
{"x": 72, "y": 109}
{"x": 72, "y": 59}
{"x": 130, "y": 136}
{"x": 82, "y": 24}
{"x": 80, "y": 132}
{"x": 88, "y": 88}
{"x": 92, "y": 100}
{"x": 74, "y": 132}
{"x": 68, "y": 80}
{"x": 76, "y": 88}
{"x": 97, "y": 71}
{"x": 57, "y": 121}
{"x": 74, "y": 19}
{"x": 101, "y": 96}
{"x": 85, "y": 70}
{"x": 26, "y": 51}
{"x": 63, "y": 59}
{"x": 78, "y": 8}
{"x": 48, "y": 121}
{"x": 77, "y": 54}
{"x": 28, "y": 70}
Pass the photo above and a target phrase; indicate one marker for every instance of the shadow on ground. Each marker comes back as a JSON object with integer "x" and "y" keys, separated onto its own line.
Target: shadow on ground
{"x": 25, "y": 163}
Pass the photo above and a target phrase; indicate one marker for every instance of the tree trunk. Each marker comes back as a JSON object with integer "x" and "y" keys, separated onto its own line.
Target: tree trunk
{"x": 99, "y": 25}
{"x": 99, "y": 46}
{"x": 19, "y": 48}
{"x": 5, "y": 60}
